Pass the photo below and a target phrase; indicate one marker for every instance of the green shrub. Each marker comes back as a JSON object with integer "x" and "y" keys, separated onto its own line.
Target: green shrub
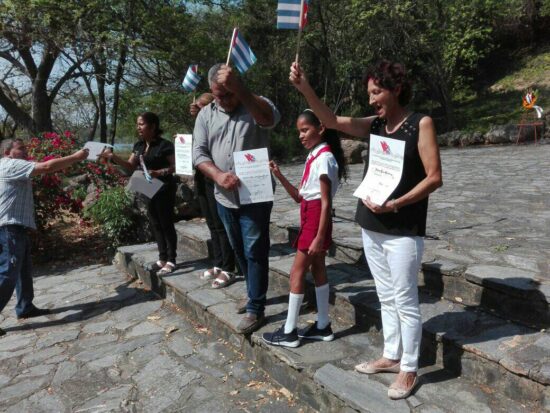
{"x": 113, "y": 213}
{"x": 79, "y": 193}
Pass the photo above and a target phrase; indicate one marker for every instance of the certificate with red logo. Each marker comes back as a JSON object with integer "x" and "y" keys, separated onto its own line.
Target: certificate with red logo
{"x": 252, "y": 168}
{"x": 183, "y": 146}
{"x": 386, "y": 157}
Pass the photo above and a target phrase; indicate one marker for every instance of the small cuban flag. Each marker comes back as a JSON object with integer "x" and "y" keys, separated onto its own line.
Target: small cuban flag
{"x": 192, "y": 78}
{"x": 288, "y": 14}
{"x": 241, "y": 53}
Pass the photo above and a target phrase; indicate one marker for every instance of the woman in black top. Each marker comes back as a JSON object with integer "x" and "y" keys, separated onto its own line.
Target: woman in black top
{"x": 392, "y": 232}
{"x": 159, "y": 159}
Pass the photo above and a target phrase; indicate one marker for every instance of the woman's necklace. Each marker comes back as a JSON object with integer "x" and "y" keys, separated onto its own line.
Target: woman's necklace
{"x": 395, "y": 128}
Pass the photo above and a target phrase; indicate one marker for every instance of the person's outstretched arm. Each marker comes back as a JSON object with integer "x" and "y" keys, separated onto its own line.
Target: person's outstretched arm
{"x": 54, "y": 165}
{"x": 130, "y": 165}
{"x": 291, "y": 189}
{"x": 359, "y": 127}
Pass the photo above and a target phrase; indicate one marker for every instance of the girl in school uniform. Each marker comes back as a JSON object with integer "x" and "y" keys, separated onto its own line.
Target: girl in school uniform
{"x": 324, "y": 168}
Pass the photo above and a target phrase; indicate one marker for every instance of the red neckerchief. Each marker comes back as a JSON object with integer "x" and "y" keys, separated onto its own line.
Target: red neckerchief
{"x": 310, "y": 161}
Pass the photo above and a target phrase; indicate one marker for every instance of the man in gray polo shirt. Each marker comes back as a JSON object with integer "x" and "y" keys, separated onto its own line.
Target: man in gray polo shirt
{"x": 237, "y": 120}
{"x": 16, "y": 215}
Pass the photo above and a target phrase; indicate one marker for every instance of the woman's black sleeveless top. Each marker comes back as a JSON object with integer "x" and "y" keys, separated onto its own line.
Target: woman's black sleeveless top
{"x": 410, "y": 220}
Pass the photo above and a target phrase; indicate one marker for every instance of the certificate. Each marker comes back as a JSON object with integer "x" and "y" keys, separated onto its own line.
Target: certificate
{"x": 139, "y": 183}
{"x": 184, "y": 151}
{"x": 95, "y": 149}
{"x": 386, "y": 157}
{"x": 252, "y": 168}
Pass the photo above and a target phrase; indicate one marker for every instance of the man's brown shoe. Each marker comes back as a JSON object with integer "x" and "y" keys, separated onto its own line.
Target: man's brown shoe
{"x": 250, "y": 323}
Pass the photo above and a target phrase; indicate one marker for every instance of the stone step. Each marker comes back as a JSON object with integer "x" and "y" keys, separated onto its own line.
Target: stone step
{"x": 457, "y": 335}
{"x": 504, "y": 360}
{"x": 512, "y": 293}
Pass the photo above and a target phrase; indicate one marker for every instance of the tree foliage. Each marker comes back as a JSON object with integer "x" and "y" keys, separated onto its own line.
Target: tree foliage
{"x": 111, "y": 59}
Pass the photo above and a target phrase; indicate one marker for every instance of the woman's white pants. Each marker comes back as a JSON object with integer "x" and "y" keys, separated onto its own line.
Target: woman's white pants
{"x": 394, "y": 262}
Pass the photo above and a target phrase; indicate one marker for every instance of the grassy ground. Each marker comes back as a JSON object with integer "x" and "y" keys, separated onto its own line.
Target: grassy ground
{"x": 500, "y": 103}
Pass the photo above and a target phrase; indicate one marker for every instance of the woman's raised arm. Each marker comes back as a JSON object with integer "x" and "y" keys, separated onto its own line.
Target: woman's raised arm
{"x": 358, "y": 127}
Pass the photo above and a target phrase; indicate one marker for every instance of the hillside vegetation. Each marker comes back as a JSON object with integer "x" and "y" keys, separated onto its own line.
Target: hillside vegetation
{"x": 90, "y": 66}
{"x": 500, "y": 102}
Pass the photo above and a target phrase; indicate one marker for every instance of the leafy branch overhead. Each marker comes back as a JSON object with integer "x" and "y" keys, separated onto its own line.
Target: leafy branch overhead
{"x": 92, "y": 65}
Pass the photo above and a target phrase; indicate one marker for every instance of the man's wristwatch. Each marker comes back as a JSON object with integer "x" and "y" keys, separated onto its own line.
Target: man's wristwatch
{"x": 394, "y": 206}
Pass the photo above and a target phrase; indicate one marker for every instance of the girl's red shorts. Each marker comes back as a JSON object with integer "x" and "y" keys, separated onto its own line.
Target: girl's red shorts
{"x": 310, "y": 218}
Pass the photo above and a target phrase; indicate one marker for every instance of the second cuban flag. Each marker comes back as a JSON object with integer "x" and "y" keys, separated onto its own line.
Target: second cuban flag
{"x": 192, "y": 78}
{"x": 289, "y": 13}
{"x": 241, "y": 53}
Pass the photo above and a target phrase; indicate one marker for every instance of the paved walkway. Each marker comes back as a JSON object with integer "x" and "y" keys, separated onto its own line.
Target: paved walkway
{"x": 111, "y": 346}
{"x": 493, "y": 209}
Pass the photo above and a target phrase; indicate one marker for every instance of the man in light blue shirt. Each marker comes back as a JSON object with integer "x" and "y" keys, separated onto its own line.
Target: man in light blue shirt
{"x": 16, "y": 216}
{"x": 237, "y": 120}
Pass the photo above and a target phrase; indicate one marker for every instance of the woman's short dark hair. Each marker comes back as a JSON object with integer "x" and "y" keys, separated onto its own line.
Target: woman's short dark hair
{"x": 152, "y": 119}
{"x": 390, "y": 75}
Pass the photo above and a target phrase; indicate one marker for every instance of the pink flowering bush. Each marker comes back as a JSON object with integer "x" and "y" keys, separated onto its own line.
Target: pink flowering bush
{"x": 49, "y": 196}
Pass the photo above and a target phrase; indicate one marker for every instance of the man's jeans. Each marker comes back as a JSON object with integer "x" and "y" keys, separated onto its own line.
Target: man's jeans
{"x": 15, "y": 268}
{"x": 248, "y": 230}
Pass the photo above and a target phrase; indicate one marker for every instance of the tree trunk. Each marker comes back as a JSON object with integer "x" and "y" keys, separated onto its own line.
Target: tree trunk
{"x": 94, "y": 126}
{"x": 531, "y": 11}
{"x": 116, "y": 94}
{"x": 41, "y": 100}
{"x": 41, "y": 112}
{"x": 100, "y": 67}
{"x": 19, "y": 116}
{"x": 439, "y": 88}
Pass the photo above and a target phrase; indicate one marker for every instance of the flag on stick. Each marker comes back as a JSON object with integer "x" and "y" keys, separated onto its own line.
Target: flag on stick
{"x": 192, "y": 78}
{"x": 292, "y": 14}
{"x": 240, "y": 52}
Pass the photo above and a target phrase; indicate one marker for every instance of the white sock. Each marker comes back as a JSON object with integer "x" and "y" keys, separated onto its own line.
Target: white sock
{"x": 322, "y": 293}
{"x": 294, "y": 304}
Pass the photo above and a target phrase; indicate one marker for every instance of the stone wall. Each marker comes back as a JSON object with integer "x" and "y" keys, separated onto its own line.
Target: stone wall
{"x": 498, "y": 134}
{"x": 353, "y": 149}
{"x": 356, "y": 151}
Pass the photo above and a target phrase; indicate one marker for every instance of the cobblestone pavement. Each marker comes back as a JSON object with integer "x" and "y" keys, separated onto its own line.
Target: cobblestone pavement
{"x": 493, "y": 209}
{"x": 111, "y": 346}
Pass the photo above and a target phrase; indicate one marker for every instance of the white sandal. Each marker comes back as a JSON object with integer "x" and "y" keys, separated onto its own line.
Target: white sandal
{"x": 168, "y": 268}
{"x": 223, "y": 280}
{"x": 211, "y": 273}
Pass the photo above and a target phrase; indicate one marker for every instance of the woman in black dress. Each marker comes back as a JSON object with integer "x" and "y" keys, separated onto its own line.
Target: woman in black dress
{"x": 392, "y": 232}
{"x": 157, "y": 154}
